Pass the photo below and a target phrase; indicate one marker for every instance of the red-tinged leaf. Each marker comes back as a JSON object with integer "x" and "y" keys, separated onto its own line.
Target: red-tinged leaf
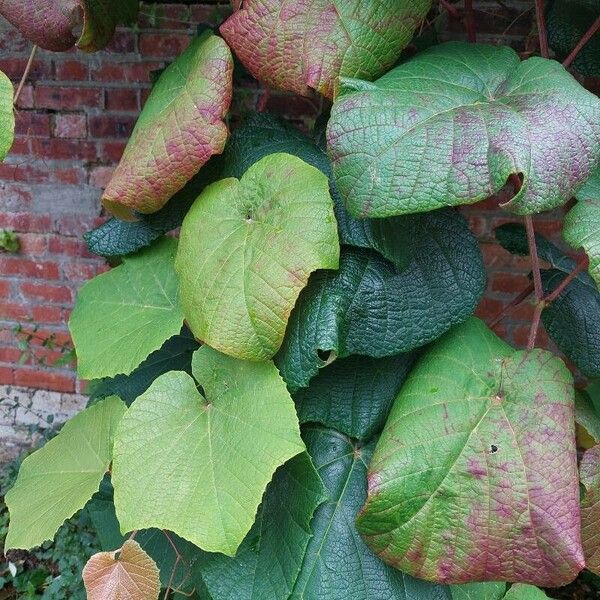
{"x": 51, "y": 23}
{"x": 296, "y": 45}
{"x": 180, "y": 128}
{"x": 127, "y": 574}
{"x": 475, "y": 476}
{"x": 589, "y": 472}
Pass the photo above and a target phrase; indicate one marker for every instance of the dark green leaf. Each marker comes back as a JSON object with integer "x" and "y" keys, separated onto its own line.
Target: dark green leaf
{"x": 354, "y": 394}
{"x": 370, "y": 307}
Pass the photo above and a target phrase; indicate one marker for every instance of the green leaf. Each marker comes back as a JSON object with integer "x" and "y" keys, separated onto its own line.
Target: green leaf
{"x": 475, "y": 477}
{"x": 573, "y": 319}
{"x": 589, "y": 472}
{"x": 492, "y": 590}
{"x": 372, "y": 308}
{"x": 120, "y": 317}
{"x": 7, "y": 117}
{"x": 51, "y": 25}
{"x": 567, "y": 21}
{"x": 246, "y": 250}
{"x": 269, "y": 560}
{"x": 586, "y": 415}
{"x": 337, "y": 564}
{"x": 57, "y": 480}
{"x": 450, "y": 126}
{"x": 582, "y": 223}
{"x": 522, "y": 591}
{"x": 299, "y": 46}
{"x": 354, "y": 395}
{"x": 179, "y": 129}
{"x": 198, "y": 464}
{"x": 174, "y": 355}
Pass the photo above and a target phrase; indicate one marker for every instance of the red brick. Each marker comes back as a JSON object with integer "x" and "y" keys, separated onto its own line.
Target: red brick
{"x": 20, "y": 145}
{"x": 71, "y": 70}
{"x": 20, "y": 221}
{"x": 509, "y": 282}
{"x": 122, "y": 42}
{"x": 137, "y": 72}
{"x": 72, "y": 176}
{"x": 67, "y": 98}
{"x": 6, "y": 375}
{"x": 123, "y": 99}
{"x": 163, "y": 45}
{"x": 29, "y": 123}
{"x": 15, "y": 67}
{"x": 10, "y": 354}
{"x": 63, "y": 149}
{"x": 111, "y": 151}
{"x": 111, "y": 126}
{"x": 170, "y": 16}
{"x": 488, "y": 307}
{"x": 47, "y": 314}
{"x": 100, "y": 176}
{"x": 74, "y": 225}
{"x": 10, "y": 311}
{"x": 25, "y": 99}
{"x": 48, "y": 380}
{"x": 46, "y": 292}
{"x": 69, "y": 246}
{"x": 70, "y": 126}
{"x": 23, "y": 267}
{"x": 32, "y": 244}
{"x": 79, "y": 271}
{"x": 5, "y": 287}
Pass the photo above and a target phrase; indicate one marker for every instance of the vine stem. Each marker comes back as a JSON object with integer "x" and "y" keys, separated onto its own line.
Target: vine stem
{"x": 514, "y": 302}
{"x": 541, "y": 25}
{"x": 535, "y": 324}
{"x": 582, "y": 265}
{"x": 587, "y": 36}
{"x": 451, "y": 10}
{"x": 470, "y": 21}
{"x": 25, "y": 74}
{"x": 535, "y": 259}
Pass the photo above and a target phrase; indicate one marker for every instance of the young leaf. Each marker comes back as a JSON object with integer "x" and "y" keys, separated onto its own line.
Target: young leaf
{"x": 51, "y": 24}
{"x": 567, "y": 21}
{"x": 450, "y": 126}
{"x": 269, "y": 559}
{"x": 490, "y": 590}
{"x": 128, "y": 573}
{"x": 7, "y": 116}
{"x": 370, "y": 307}
{"x": 522, "y": 591}
{"x": 120, "y": 317}
{"x": 297, "y": 45}
{"x": 246, "y": 250}
{"x": 589, "y": 472}
{"x": 582, "y": 223}
{"x": 198, "y": 464}
{"x": 57, "y": 480}
{"x": 337, "y": 564}
{"x": 179, "y": 129}
{"x": 475, "y": 475}
{"x": 353, "y": 395}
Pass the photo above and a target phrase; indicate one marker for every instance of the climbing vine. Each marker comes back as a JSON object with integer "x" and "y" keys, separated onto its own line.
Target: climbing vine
{"x": 291, "y": 397}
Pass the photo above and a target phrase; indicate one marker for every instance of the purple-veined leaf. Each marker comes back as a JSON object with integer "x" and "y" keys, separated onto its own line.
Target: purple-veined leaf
{"x": 180, "y": 128}
{"x": 297, "y": 45}
{"x": 475, "y": 476}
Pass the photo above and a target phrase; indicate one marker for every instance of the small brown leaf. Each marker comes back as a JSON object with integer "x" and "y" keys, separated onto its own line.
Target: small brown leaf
{"x": 133, "y": 575}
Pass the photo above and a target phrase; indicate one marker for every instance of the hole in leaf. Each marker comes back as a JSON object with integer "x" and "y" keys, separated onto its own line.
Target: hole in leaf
{"x": 324, "y": 355}
{"x": 493, "y": 449}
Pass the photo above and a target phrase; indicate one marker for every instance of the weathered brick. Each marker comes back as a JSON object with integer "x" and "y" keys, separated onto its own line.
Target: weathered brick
{"x": 70, "y": 126}
{"x": 39, "y": 378}
{"x": 67, "y": 98}
{"x": 46, "y": 292}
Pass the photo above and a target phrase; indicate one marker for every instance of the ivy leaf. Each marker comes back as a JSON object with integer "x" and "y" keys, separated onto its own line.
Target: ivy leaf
{"x": 370, "y": 307}
{"x": 298, "y": 46}
{"x": 51, "y": 24}
{"x": 120, "y": 317}
{"x": 128, "y": 573}
{"x": 174, "y": 355}
{"x": 246, "y": 250}
{"x": 270, "y": 557}
{"x": 495, "y": 590}
{"x": 7, "y": 117}
{"x": 353, "y": 395}
{"x": 197, "y": 464}
{"x": 475, "y": 475}
{"x": 589, "y": 472}
{"x": 582, "y": 223}
{"x": 450, "y": 126}
{"x": 567, "y": 21}
{"x": 179, "y": 129}
{"x": 57, "y": 480}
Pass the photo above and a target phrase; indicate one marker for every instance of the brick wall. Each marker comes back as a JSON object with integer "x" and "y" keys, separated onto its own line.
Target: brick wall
{"x": 74, "y": 116}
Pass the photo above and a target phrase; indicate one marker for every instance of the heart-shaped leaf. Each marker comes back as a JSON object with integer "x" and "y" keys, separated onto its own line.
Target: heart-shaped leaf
{"x": 582, "y": 223}
{"x": 270, "y": 557}
{"x": 179, "y": 129}
{"x": 127, "y": 574}
{"x": 51, "y": 24}
{"x": 567, "y": 21}
{"x": 57, "y": 480}
{"x": 246, "y": 250}
{"x": 7, "y": 116}
{"x": 475, "y": 476}
{"x": 450, "y": 126}
{"x": 198, "y": 464}
{"x": 120, "y": 317}
{"x": 297, "y": 45}
{"x": 354, "y": 395}
{"x": 589, "y": 472}
{"x": 370, "y": 307}
{"x": 322, "y": 557}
